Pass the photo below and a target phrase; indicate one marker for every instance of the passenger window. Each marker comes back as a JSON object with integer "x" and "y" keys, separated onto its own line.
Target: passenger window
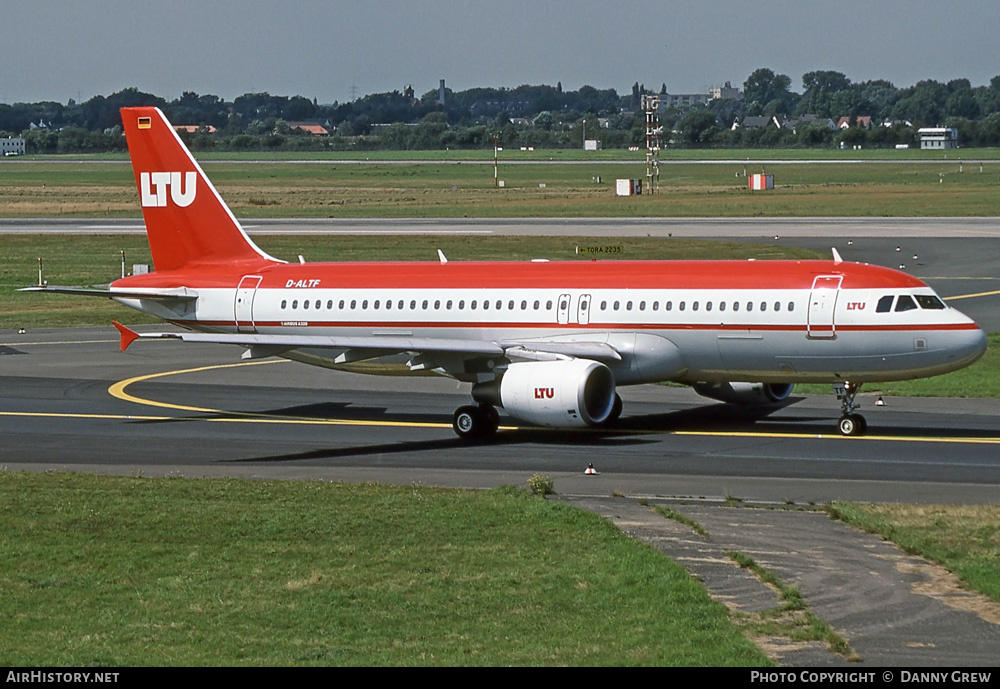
{"x": 524, "y": 305}
{"x": 448, "y": 305}
{"x": 616, "y": 305}
{"x": 682, "y": 306}
{"x": 694, "y": 306}
{"x": 536, "y": 305}
{"x": 736, "y": 306}
{"x": 722, "y": 306}
{"x": 708, "y": 306}
{"x": 669, "y": 306}
{"x": 399, "y": 304}
{"x": 424, "y": 305}
{"x": 548, "y": 305}
{"x": 763, "y": 306}
{"x": 295, "y": 303}
{"x": 884, "y": 304}
{"x": 604, "y": 306}
{"x": 628, "y": 306}
{"x": 473, "y": 304}
{"x": 329, "y": 305}
{"x": 437, "y": 304}
{"x": 777, "y": 306}
{"x": 749, "y": 306}
{"x": 364, "y": 304}
{"x": 791, "y": 306}
{"x": 284, "y": 303}
{"x": 341, "y": 306}
{"x": 642, "y": 306}
{"x": 305, "y": 304}
{"x": 376, "y": 304}
{"x": 461, "y": 304}
{"x": 413, "y": 305}
{"x": 656, "y": 306}
{"x": 318, "y": 303}
{"x": 905, "y": 303}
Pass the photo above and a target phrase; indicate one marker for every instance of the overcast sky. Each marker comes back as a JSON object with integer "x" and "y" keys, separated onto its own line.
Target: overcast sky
{"x": 331, "y": 51}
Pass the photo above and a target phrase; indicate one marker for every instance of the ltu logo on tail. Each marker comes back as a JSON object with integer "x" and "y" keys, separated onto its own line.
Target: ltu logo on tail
{"x": 153, "y": 188}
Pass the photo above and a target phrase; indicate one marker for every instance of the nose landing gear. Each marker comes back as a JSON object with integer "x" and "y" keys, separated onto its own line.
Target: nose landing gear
{"x": 851, "y": 423}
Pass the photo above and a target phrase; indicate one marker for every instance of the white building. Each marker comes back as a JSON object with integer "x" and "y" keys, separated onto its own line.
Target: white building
{"x": 12, "y": 147}
{"x": 938, "y": 137}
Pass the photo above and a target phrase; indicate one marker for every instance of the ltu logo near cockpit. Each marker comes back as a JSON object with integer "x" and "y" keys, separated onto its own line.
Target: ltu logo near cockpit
{"x": 153, "y": 188}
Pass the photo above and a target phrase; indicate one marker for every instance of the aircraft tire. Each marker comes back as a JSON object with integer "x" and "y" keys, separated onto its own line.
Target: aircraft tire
{"x": 852, "y": 424}
{"x": 475, "y": 423}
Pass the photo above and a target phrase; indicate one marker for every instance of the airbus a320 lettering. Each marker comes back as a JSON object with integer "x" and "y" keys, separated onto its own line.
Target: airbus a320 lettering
{"x": 549, "y": 342}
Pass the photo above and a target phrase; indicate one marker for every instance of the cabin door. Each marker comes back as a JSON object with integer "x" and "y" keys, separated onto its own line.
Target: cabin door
{"x": 822, "y": 306}
{"x": 243, "y": 306}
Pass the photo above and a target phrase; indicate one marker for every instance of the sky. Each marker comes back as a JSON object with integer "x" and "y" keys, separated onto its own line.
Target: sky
{"x": 336, "y": 50}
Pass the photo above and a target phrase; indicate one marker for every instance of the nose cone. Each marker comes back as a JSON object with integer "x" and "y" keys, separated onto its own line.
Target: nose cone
{"x": 969, "y": 348}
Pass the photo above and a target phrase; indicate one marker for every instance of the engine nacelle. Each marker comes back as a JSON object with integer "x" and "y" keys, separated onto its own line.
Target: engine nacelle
{"x": 745, "y": 393}
{"x": 569, "y": 394}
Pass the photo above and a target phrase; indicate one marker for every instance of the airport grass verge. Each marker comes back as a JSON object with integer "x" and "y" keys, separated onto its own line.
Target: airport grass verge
{"x": 112, "y": 571}
{"x": 965, "y": 539}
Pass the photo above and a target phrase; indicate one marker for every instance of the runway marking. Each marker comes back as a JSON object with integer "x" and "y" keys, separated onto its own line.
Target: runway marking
{"x": 970, "y": 296}
{"x": 117, "y": 390}
{"x": 51, "y": 342}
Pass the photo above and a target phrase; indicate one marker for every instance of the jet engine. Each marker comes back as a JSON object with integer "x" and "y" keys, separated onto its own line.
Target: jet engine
{"x": 571, "y": 393}
{"x": 745, "y": 393}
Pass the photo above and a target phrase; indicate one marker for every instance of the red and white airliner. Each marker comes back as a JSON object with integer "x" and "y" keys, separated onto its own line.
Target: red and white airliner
{"x": 548, "y": 342}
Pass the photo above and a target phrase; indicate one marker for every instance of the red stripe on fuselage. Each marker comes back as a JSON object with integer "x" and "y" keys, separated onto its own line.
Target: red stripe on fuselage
{"x": 568, "y": 275}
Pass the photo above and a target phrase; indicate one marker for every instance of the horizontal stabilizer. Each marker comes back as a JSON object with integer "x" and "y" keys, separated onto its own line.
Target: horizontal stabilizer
{"x": 179, "y": 294}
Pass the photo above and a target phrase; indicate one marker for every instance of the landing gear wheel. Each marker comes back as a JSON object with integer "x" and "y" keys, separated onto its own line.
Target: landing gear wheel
{"x": 852, "y": 424}
{"x": 475, "y": 423}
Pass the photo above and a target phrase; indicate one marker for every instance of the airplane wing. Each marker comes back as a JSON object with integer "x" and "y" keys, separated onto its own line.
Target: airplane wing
{"x": 359, "y": 348}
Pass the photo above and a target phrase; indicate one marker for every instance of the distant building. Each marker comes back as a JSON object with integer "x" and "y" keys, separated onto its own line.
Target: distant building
{"x": 679, "y": 100}
{"x": 756, "y": 122}
{"x": 194, "y": 128}
{"x": 938, "y": 137}
{"x": 12, "y": 147}
{"x": 859, "y": 121}
{"x": 726, "y": 92}
{"x": 313, "y": 128}
{"x": 669, "y": 100}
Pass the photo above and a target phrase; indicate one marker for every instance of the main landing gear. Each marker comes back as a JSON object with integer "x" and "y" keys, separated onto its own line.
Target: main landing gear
{"x": 472, "y": 422}
{"x": 851, "y": 423}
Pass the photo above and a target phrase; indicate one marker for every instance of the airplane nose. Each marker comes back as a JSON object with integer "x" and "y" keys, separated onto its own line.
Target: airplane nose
{"x": 969, "y": 348}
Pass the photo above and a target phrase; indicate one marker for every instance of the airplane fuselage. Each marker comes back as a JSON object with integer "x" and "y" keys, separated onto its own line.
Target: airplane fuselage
{"x": 687, "y": 321}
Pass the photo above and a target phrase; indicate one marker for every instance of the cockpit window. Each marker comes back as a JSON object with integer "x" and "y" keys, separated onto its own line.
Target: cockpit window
{"x": 905, "y": 303}
{"x": 929, "y": 301}
{"x": 884, "y": 304}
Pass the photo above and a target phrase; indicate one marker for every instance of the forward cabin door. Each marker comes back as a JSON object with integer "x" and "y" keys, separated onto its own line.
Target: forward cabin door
{"x": 822, "y": 306}
{"x": 243, "y": 306}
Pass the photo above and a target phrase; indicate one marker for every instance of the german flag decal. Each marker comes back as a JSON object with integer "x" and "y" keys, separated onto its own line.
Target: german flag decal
{"x": 145, "y": 122}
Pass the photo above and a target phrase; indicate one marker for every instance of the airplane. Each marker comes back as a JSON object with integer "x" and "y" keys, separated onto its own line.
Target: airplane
{"x": 548, "y": 342}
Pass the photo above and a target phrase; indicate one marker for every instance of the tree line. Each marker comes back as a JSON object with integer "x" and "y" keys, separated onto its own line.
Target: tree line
{"x": 531, "y": 115}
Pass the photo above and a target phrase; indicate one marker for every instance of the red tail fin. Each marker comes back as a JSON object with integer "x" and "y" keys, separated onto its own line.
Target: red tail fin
{"x": 187, "y": 222}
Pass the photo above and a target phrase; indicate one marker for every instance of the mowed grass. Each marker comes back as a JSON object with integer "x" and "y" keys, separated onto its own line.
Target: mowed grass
{"x": 102, "y": 571}
{"x": 579, "y": 188}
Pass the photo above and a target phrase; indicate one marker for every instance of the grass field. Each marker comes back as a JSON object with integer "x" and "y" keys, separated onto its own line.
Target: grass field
{"x": 100, "y": 571}
{"x": 940, "y": 187}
